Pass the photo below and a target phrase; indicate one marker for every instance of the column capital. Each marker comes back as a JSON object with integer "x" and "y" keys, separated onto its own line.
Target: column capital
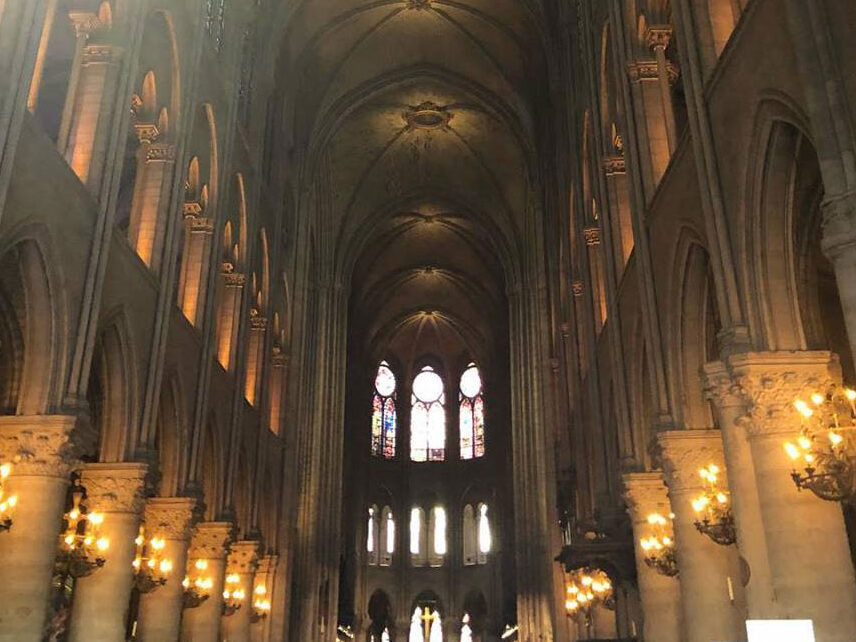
{"x": 719, "y": 387}
{"x": 615, "y": 165}
{"x": 645, "y": 493}
{"x": 210, "y": 539}
{"x": 200, "y": 224}
{"x": 84, "y": 22}
{"x": 44, "y": 445}
{"x": 115, "y": 488}
{"x": 160, "y": 153}
{"x": 577, "y": 288}
{"x": 649, "y": 70}
{"x": 839, "y": 225}
{"x": 592, "y": 235}
{"x": 101, "y": 53}
{"x": 770, "y": 382}
{"x": 267, "y": 564}
{"x": 685, "y": 452}
{"x": 658, "y": 36}
{"x": 170, "y": 517}
{"x": 243, "y": 557}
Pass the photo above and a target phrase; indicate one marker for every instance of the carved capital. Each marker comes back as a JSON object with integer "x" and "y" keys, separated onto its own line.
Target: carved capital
{"x": 614, "y": 165}
{"x": 243, "y": 557}
{"x": 257, "y": 321}
{"x": 577, "y": 288}
{"x": 267, "y": 566}
{"x": 210, "y": 539}
{"x": 44, "y": 445}
{"x": 160, "y": 153}
{"x": 278, "y": 360}
{"x": 147, "y": 133}
{"x": 192, "y": 209}
{"x": 115, "y": 488}
{"x": 649, "y": 70}
{"x": 771, "y": 381}
{"x": 170, "y": 517}
{"x": 235, "y": 279}
{"x": 685, "y": 452}
{"x": 592, "y": 235}
{"x": 719, "y": 387}
{"x": 84, "y": 22}
{"x": 201, "y": 225}
{"x": 658, "y": 36}
{"x": 99, "y": 54}
{"x": 645, "y": 493}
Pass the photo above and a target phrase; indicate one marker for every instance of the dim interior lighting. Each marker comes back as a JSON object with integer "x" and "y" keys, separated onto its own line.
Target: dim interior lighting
{"x": 713, "y": 509}
{"x": 261, "y": 604}
{"x": 659, "y": 545}
{"x": 197, "y": 584}
{"x": 585, "y": 589}
{"x": 81, "y": 545}
{"x": 233, "y": 594}
{"x": 824, "y": 452}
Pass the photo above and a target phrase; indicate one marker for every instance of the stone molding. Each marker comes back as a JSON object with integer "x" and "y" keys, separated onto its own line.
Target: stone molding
{"x": 160, "y": 153}
{"x": 592, "y": 235}
{"x": 645, "y": 493}
{"x": 235, "y": 279}
{"x": 685, "y": 452}
{"x": 577, "y": 288}
{"x": 839, "y": 225}
{"x": 170, "y": 517}
{"x": 257, "y": 321}
{"x": 719, "y": 388}
{"x": 658, "y": 36}
{"x": 267, "y": 566}
{"x": 43, "y": 445}
{"x": 100, "y": 54}
{"x": 210, "y": 539}
{"x": 201, "y": 225}
{"x": 615, "y": 165}
{"x": 243, "y": 557}
{"x": 649, "y": 70}
{"x": 115, "y": 488}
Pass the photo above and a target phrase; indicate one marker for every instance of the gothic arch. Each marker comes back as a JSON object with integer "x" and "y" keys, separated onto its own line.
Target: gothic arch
{"x": 212, "y": 470}
{"x": 171, "y": 436}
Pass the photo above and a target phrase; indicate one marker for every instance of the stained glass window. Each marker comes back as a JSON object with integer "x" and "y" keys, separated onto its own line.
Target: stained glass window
{"x": 471, "y": 413}
{"x": 384, "y": 422}
{"x": 428, "y": 417}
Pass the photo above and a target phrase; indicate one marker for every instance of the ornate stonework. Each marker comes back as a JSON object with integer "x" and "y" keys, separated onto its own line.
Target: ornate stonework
{"x": 685, "y": 452}
{"x": 648, "y": 70}
{"x": 95, "y": 54}
{"x": 170, "y": 517}
{"x": 43, "y": 445}
{"x": 201, "y": 225}
{"x": 658, "y": 36}
{"x": 577, "y": 288}
{"x": 210, "y": 539}
{"x": 592, "y": 235}
{"x": 243, "y": 557}
{"x": 160, "y": 153}
{"x": 719, "y": 387}
{"x": 771, "y": 381}
{"x": 114, "y": 488}
{"x": 235, "y": 280}
{"x": 645, "y": 493}
{"x": 614, "y": 165}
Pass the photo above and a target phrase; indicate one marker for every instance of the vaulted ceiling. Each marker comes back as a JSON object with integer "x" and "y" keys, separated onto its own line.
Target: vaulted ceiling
{"x": 415, "y": 122}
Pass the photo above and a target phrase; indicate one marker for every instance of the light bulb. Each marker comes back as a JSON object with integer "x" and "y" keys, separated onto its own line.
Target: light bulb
{"x": 817, "y": 398}
{"x": 5, "y": 470}
{"x": 102, "y": 544}
{"x": 186, "y": 582}
{"x": 722, "y": 498}
{"x": 804, "y": 442}
{"x": 792, "y": 451}
{"x": 850, "y": 394}
{"x": 260, "y": 589}
{"x": 201, "y": 565}
{"x": 95, "y": 518}
{"x": 136, "y": 563}
{"x": 73, "y": 514}
{"x": 714, "y": 469}
{"x": 803, "y": 408}
{"x": 835, "y": 438}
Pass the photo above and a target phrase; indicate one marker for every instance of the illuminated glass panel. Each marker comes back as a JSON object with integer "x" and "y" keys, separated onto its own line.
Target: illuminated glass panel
{"x": 471, "y": 423}
{"x": 384, "y": 419}
{"x": 485, "y": 537}
{"x": 428, "y": 417}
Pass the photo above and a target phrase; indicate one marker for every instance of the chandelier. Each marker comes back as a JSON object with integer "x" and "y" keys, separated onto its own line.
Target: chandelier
{"x": 150, "y": 567}
{"x": 233, "y": 594}
{"x": 659, "y": 546}
{"x": 585, "y": 589}
{"x": 81, "y": 545}
{"x": 7, "y": 503}
{"x": 261, "y": 605}
{"x": 197, "y": 589}
{"x": 713, "y": 509}
{"x": 826, "y": 446}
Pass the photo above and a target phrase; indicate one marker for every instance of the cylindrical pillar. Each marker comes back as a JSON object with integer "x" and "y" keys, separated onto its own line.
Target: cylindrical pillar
{"x": 812, "y": 572}
{"x": 202, "y": 624}
{"x": 660, "y": 596}
{"x": 159, "y": 617}
{"x": 728, "y": 408}
{"x": 659, "y": 37}
{"x": 839, "y": 246}
{"x": 242, "y": 560}
{"x": 101, "y": 599}
{"x": 39, "y": 448}
{"x": 711, "y": 590}
{"x": 266, "y": 577}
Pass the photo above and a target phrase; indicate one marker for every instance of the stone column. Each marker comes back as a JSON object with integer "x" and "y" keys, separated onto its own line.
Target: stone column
{"x": 255, "y": 356}
{"x": 645, "y": 493}
{"x": 199, "y": 231}
{"x": 242, "y": 560}
{"x": 728, "y": 408}
{"x": 202, "y": 624}
{"x": 615, "y": 168}
{"x": 839, "y": 246}
{"x": 658, "y": 38}
{"x": 41, "y": 451}
{"x": 265, "y": 576}
{"x": 812, "y": 574}
{"x": 160, "y": 611}
{"x": 232, "y": 286}
{"x": 711, "y": 589}
{"x": 101, "y": 599}
{"x": 647, "y": 74}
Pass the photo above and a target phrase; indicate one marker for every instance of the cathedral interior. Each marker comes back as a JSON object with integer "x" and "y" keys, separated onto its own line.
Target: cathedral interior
{"x": 427, "y": 320}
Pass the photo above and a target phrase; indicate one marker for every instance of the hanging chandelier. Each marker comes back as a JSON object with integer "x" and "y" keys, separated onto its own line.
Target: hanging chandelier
{"x": 151, "y": 569}
{"x": 585, "y": 589}
{"x": 197, "y": 588}
{"x": 7, "y": 502}
{"x": 659, "y": 546}
{"x": 233, "y": 594}
{"x": 81, "y": 544}
{"x": 713, "y": 509}
{"x": 826, "y": 446}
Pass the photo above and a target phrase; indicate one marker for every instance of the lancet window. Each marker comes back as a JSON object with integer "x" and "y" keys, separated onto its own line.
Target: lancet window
{"x": 471, "y": 423}
{"x": 384, "y": 420}
{"x": 428, "y": 417}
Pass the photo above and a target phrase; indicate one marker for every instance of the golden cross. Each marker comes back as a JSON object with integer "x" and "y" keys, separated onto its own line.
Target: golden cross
{"x": 427, "y": 618}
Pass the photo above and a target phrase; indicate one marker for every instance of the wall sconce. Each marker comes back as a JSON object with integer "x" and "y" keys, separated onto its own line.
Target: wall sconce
{"x": 584, "y": 590}
{"x": 7, "y": 503}
{"x": 826, "y": 446}
{"x": 198, "y": 588}
{"x": 659, "y": 547}
{"x": 81, "y": 545}
{"x": 713, "y": 509}
{"x": 150, "y": 568}
{"x": 261, "y": 605}
{"x": 233, "y": 594}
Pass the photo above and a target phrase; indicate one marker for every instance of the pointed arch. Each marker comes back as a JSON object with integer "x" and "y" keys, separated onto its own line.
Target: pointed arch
{"x": 471, "y": 413}
{"x": 171, "y": 436}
